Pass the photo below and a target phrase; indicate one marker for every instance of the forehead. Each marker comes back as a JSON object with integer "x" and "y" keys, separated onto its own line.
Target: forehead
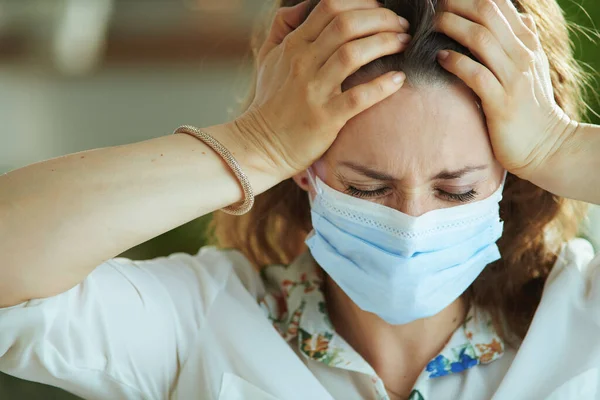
{"x": 418, "y": 129}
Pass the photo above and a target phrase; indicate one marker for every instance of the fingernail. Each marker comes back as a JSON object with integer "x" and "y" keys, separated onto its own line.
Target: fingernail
{"x": 443, "y": 54}
{"x": 404, "y": 22}
{"x": 404, "y": 37}
{"x": 398, "y": 77}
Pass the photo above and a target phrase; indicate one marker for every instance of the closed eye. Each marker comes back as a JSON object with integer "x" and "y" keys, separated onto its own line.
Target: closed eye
{"x": 460, "y": 197}
{"x": 351, "y": 190}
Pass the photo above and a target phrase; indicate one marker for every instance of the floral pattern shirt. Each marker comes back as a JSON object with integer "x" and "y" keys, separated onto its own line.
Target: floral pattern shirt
{"x": 296, "y": 306}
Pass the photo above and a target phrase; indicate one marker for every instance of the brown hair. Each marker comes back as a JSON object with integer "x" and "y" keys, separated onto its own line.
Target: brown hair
{"x": 536, "y": 221}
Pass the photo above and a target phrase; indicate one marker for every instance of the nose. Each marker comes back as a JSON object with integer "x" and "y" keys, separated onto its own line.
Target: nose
{"x": 413, "y": 206}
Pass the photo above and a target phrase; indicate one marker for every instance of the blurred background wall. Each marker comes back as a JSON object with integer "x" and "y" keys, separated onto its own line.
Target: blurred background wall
{"x": 82, "y": 74}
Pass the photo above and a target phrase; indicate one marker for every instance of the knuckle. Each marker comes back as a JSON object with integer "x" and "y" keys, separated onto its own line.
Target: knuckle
{"x": 536, "y": 46}
{"x": 527, "y": 33}
{"x": 356, "y": 98}
{"x": 486, "y": 8}
{"x": 332, "y": 7}
{"x": 343, "y": 24}
{"x": 279, "y": 14}
{"x": 287, "y": 44}
{"x": 388, "y": 17}
{"x": 348, "y": 54}
{"x": 481, "y": 37}
{"x": 528, "y": 56}
{"x": 529, "y": 37}
{"x": 380, "y": 86}
{"x": 527, "y": 60}
{"x": 480, "y": 78}
{"x": 440, "y": 21}
{"x": 528, "y": 20}
{"x": 388, "y": 41}
{"x": 460, "y": 62}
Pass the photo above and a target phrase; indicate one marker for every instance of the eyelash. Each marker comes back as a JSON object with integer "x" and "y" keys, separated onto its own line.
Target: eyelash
{"x": 351, "y": 190}
{"x": 461, "y": 197}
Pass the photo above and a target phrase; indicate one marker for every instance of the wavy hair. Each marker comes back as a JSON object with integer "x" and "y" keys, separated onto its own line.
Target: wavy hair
{"x": 536, "y": 223}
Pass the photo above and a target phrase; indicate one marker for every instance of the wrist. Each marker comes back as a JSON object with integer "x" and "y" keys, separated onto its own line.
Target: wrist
{"x": 261, "y": 172}
{"x": 257, "y": 133}
{"x": 556, "y": 167}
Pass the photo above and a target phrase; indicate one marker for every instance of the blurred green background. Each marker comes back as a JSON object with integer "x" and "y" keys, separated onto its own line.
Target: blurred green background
{"x": 76, "y": 75}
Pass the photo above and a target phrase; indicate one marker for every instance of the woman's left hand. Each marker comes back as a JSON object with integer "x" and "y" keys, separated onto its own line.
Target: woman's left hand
{"x": 525, "y": 124}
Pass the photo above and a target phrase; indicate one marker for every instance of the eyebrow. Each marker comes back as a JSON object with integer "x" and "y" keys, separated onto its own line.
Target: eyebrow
{"x": 382, "y": 176}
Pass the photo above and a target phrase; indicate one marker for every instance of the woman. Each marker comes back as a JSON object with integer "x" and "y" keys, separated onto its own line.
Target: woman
{"x": 393, "y": 179}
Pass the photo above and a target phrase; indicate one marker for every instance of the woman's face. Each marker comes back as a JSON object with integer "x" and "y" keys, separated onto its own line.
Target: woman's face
{"x": 418, "y": 150}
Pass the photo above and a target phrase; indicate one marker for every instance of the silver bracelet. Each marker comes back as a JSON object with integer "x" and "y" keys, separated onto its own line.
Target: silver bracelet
{"x": 214, "y": 144}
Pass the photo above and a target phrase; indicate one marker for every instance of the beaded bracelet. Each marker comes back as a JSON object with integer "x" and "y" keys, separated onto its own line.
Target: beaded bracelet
{"x": 231, "y": 162}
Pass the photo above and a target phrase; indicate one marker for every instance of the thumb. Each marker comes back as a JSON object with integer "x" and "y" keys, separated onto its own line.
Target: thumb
{"x": 286, "y": 21}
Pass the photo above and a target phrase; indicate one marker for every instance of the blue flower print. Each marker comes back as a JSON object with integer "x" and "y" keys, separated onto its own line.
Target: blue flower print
{"x": 464, "y": 362}
{"x": 439, "y": 366}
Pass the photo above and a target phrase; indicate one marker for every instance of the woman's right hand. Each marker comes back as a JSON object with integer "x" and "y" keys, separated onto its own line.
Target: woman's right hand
{"x": 299, "y": 107}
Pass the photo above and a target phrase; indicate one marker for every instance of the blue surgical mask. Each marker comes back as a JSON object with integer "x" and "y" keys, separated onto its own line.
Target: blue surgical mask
{"x": 397, "y": 266}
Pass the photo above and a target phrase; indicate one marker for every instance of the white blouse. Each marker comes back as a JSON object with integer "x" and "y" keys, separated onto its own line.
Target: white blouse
{"x": 207, "y": 326}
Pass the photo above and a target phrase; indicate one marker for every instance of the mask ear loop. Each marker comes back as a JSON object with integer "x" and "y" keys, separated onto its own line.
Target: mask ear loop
{"x": 312, "y": 182}
{"x": 503, "y": 180}
{"x": 312, "y": 178}
{"x": 498, "y": 193}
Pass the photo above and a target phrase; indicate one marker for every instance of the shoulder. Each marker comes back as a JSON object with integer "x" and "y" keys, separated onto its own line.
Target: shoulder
{"x": 143, "y": 316}
{"x": 567, "y": 316}
{"x": 575, "y": 275}
{"x": 576, "y": 256}
{"x": 212, "y": 267}
{"x": 225, "y": 264}
{"x": 195, "y": 278}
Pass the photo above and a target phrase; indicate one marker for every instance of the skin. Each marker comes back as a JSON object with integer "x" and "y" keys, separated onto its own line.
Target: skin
{"x": 79, "y": 209}
{"x": 412, "y": 136}
{"x": 68, "y": 202}
{"x": 64, "y": 216}
{"x": 415, "y": 134}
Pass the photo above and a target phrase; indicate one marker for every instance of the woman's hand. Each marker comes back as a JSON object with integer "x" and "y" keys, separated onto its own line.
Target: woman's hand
{"x": 299, "y": 107}
{"x": 525, "y": 124}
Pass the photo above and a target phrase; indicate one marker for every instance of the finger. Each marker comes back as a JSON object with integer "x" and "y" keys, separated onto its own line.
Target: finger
{"x": 357, "y": 99}
{"x": 517, "y": 24}
{"x": 482, "y": 43}
{"x": 487, "y": 14}
{"x": 353, "y": 55}
{"x": 530, "y": 38}
{"x": 512, "y": 16}
{"x": 529, "y": 22}
{"x": 356, "y": 24}
{"x": 326, "y": 11}
{"x": 543, "y": 88}
{"x": 480, "y": 79}
{"x": 286, "y": 20}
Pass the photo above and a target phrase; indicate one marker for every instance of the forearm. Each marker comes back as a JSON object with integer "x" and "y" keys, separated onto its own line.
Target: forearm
{"x": 574, "y": 170}
{"x": 62, "y": 217}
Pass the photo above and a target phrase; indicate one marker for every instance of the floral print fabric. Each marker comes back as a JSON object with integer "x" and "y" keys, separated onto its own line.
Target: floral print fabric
{"x": 296, "y": 305}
